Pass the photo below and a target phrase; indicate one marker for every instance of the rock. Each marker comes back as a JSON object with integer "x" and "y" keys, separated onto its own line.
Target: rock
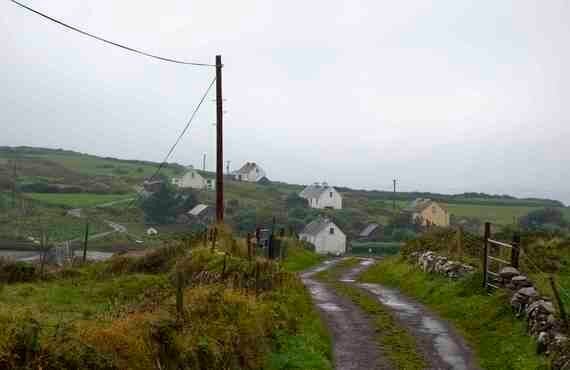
{"x": 520, "y": 281}
{"x": 529, "y": 292}
{"x": 509, "y": 272}
{"x": 542, "y": 342}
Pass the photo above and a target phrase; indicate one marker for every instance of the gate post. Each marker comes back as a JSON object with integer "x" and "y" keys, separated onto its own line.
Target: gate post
{"x": 486, "y": 253}
{"x": 515, "y": 252}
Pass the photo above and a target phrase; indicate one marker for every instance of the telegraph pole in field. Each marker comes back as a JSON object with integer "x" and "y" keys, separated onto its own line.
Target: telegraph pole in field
{"x": 228, "y": 167}
{"x": 219, "y": 143}
{"x": 394, "y": 200}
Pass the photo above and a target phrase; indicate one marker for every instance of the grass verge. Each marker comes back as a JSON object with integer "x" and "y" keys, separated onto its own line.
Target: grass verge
{"x": 396, "y": 343}
{"x": 487, "y": 323}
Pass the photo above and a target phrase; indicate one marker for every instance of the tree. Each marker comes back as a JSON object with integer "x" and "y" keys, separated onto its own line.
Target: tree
{"x": 293, "y": 200}
{"x": 161, "y": 206}
{"x": 539, "y": 218}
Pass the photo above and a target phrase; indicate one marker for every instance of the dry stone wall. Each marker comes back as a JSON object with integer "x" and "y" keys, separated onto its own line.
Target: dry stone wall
{"x": 527, "y": 303}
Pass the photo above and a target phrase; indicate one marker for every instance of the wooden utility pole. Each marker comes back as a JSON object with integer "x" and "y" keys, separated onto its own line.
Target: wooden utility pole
{"x": 228, "y": 167}
{"x": 219, "y": 143}
{"x": 204, "y": 162}
{"x": 394, "y": 200}
{"x": 14, "y": 182}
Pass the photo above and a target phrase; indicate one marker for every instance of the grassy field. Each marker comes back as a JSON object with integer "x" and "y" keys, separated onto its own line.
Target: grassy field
{"x": 122, "y": 313}
{"x": 487, "y": 322}
{"x": 375, "y": 248}
{"x": 78, "y": 200}
{"x": 502, "y": 215}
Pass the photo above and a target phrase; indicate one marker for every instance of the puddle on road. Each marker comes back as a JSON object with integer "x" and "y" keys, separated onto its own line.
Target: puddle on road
{"x": 330, "y": 307}
{"x": 447, "y": 349}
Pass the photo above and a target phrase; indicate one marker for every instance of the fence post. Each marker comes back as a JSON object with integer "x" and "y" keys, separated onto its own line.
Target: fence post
{"x": 486, "y": 253}
{"x": 248, "y": 242}
{"x": 460, "y": 243}
{"x": 515, "y": 252}
{"x": 214, "y": 237}
{"x": 180, "y": 294}
{"x": 85, "y": 242}
{"x": 560, "y": 303}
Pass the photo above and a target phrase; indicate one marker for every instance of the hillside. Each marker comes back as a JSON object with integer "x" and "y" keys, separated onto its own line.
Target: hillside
{"x": 61, "y": 179}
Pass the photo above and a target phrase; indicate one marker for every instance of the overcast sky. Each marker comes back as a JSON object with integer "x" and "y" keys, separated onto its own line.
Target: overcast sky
{"x": 447, "y": 96}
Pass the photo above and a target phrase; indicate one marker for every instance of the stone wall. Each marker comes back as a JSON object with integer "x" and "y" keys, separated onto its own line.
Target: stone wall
{"x": 527, "y": 303}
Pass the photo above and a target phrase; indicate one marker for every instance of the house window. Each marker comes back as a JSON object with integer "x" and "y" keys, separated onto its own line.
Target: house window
{"x": 331, "y": 231}
{"x": 330, "y": 194}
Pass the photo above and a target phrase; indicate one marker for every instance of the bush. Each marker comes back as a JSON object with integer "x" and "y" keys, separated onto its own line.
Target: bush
{"x": 16, "y": 272}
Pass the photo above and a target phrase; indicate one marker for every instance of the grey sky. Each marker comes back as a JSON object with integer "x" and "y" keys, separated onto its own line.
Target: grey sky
{"x": 446, "y": 96}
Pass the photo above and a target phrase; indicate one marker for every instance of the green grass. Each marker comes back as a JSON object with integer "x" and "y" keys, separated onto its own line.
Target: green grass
{"x": 77, "y": 298}
{"x": 299, "y": 259}
{"x": 396, "y": 343}
{"x": 487, "y": 322}
{"x": 79, "y": 200}
{"x": 375, "y": 248}
{"x": 502, "y": 215}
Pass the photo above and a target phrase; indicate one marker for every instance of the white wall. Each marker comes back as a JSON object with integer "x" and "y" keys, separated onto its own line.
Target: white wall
{"x": 325, "y": 242}
{"x": 325, "y": 200}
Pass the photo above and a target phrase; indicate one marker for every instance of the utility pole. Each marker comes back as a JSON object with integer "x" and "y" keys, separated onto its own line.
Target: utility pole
{"x": 228, "y": 166}
{"x": 204, "y": 162}
{"x": 394, "y": 200}
{"x": 14, "y": 182}
{"x": 219, "y": 143}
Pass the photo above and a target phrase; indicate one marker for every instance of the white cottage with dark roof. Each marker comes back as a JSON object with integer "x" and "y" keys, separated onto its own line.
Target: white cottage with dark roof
{"x": 250, "y": 172}
{"x": 322, "y": 196}
{"x": 325, "y": 235}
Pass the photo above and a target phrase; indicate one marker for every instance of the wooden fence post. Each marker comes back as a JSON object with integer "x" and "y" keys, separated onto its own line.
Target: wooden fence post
{"x": 85, "y": 242}
{"x": 180, "y": 295}
{"x": 515, "y": 252}
{"x": 248, "y": 242}
{"x": 560, "y": 303}
{"x": 486, "y": 253}
{"x": 214, "y": 236}
{"x": 460, "y": 243}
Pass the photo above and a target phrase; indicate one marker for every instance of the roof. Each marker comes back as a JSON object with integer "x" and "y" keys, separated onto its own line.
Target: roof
{"x": 419, "y": 204}
{"x": 315, "y": 190}
{"x": 368, "y": 230}
{"x": 197, "y": 209}
{"x": 316, "y": 226}
{"x": 247, "y": 168}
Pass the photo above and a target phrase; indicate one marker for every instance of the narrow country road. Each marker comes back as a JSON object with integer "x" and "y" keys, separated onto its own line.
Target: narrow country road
{"x": 353, "y": 332}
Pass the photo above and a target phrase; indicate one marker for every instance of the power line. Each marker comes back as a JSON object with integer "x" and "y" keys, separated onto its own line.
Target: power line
{"x": 179, "y": 137}
{"x": 164, "y": 59}
{"x": 185, "y": 129}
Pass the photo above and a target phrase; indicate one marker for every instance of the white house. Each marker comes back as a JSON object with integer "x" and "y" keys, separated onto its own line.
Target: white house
{"x": 327, "y": 237}
{"x": 193, "y": 179}
{"x": 322, "y": 196}
{"x": 250, "y": 172}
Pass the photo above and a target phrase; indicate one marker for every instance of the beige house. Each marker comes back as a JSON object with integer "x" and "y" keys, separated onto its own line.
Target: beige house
{"x": 427, "y": 212}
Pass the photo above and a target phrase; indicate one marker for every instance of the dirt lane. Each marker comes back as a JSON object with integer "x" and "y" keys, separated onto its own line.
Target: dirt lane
{"x": 353, "y": 334}
{"x": 442, "y": 347}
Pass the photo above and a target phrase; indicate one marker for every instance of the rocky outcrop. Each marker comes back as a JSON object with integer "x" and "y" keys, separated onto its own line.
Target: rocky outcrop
{"x": 433, "y": 263}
